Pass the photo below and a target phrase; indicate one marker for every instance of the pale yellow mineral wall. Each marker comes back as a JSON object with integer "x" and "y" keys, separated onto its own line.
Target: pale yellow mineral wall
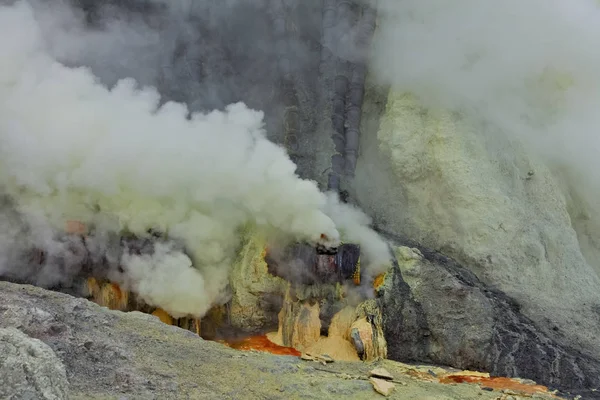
{"x": 341, "y": 322}
{"x": 250, "y": 281}
{"x": 307, "y": 327}
{"x": 457, "y": 186}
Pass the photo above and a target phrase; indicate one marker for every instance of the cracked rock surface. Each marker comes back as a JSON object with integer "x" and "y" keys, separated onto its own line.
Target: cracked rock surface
{"x": 29, "y": 369}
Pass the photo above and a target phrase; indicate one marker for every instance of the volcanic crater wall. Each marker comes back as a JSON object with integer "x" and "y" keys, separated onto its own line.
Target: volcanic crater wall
{"x": 424, "y": 173}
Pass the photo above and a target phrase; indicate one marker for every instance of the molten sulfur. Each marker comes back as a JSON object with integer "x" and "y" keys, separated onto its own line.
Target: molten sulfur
{"x": 260, "y": 343}
{"x": 498, "y": 383}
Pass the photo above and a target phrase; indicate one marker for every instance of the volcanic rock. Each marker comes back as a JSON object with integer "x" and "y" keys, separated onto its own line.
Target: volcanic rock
{"x": 381, "y": 373}
{"x": 436, "y": 311}
{"x": 382, "y": 386}
{"x": 515, "y": 224}
{"x": 29, "y": 368}
{"x": 110, "y": 354}
{"x": 256, "y": 294}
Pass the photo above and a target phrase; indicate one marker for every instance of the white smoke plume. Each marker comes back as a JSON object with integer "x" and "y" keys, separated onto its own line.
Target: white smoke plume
{"x": 530, "y": 68}
{"x": 354, "y": 224}
{"x": 72, "y": 149}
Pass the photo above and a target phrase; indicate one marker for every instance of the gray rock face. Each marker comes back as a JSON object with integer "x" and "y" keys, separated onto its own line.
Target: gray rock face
{"x": 114, "y": 355}
{"x": 302, "y": 62}
{"x": 88, "y": 355}
{"x": 29, "y": 369}
{"x": 441, "y": 313}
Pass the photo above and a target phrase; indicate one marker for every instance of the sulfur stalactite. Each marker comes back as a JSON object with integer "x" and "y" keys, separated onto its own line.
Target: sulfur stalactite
{"x": 108, "y": 294}
{"x": 354, "y": 333}
{"x": 163, "y": 316}
{"x": 305, "y": 329}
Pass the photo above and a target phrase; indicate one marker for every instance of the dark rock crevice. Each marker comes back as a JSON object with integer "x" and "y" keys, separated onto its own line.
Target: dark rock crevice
{"x": 404, "y": 321}
{"x": 348, "y": 27}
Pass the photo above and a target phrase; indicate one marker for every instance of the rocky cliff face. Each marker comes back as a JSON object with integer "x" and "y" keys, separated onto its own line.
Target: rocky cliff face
{"x": 521, "y": 298}
{"x": 509, "y": 218}
{"x": 487, "y": 202}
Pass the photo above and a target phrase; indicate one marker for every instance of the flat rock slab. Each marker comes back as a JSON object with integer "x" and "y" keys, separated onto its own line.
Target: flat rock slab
{"x": 381, "y": 373}
{"x": 382, "y": 386}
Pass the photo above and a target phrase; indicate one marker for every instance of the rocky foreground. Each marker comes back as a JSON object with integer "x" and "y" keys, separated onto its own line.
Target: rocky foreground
{"x": 59, "y": 347}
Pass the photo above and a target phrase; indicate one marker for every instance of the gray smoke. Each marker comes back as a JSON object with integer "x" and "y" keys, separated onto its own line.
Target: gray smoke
{"x": 529, "y": 69}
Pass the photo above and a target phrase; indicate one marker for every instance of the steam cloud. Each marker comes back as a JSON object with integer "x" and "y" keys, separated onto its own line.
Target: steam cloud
{"x": 114, "y": 159}
{"x": 528, "y": 68}
{"x": 71, "y": 149}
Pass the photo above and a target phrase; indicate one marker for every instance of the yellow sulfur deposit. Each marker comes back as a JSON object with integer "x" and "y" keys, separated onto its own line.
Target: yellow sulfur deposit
{"x": 378, "y": 281}
{"x": 163, "y": 316}
{"x": 356, "y": 274}
{"x": 107, "y": 294}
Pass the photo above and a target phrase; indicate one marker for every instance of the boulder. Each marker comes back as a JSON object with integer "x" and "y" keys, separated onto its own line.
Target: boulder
{"x": 29, "y": 368}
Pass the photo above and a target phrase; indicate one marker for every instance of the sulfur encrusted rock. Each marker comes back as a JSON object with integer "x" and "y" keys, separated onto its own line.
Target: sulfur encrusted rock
{"x": 256, "y": 294}
{"x": 452, "y": 184}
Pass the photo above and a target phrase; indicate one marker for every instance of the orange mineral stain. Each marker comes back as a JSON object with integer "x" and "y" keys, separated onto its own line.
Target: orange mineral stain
{"x": 197, "y": 325}
{"x": 76, "y": 227}
{"x": 356, "y": 274}
{"x": 378, "y": 281}
{"x": 163, "y": 316}
{"x": 497, "y": 383}
{"x": 118, "y": 293}
{"x": 260, "y": 343}
{"x": 107, "y": 294}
